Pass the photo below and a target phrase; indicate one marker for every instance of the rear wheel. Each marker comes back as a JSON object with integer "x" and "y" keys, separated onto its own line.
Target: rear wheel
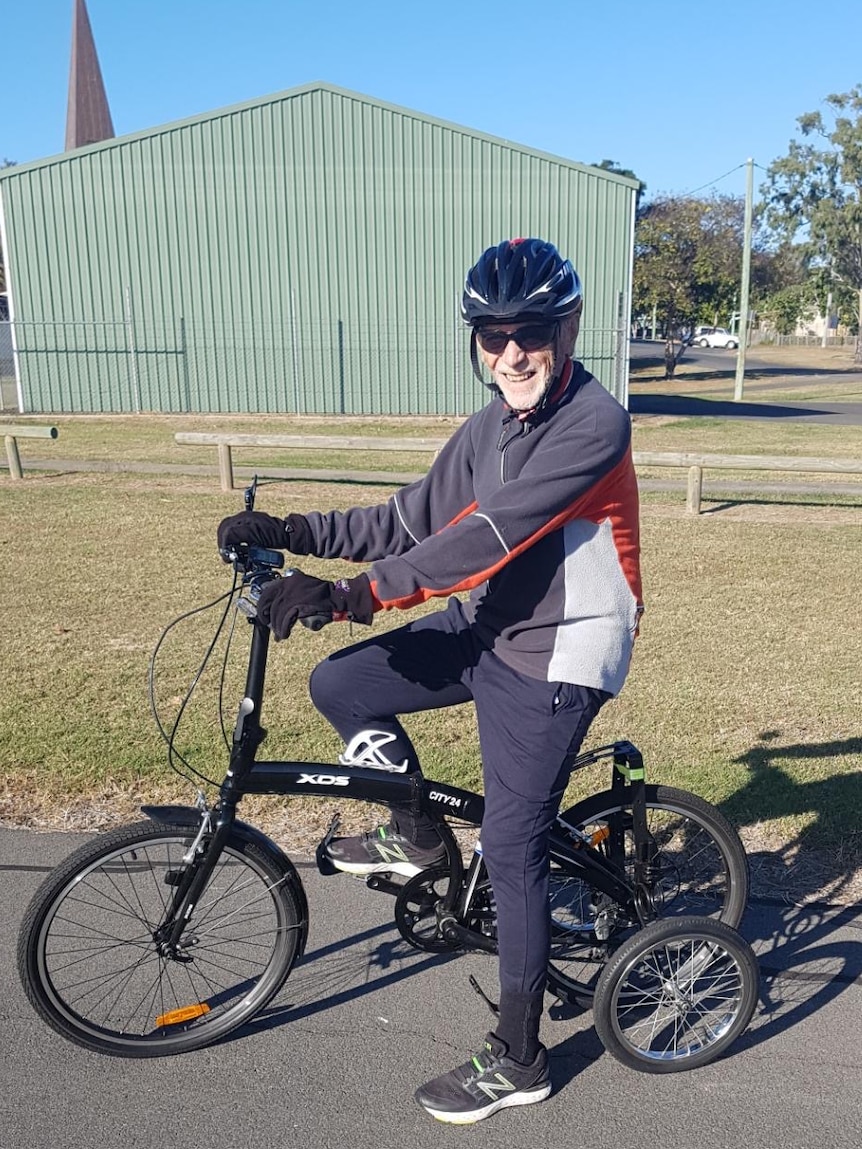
{"x": 89, "y": 953}
{"x": 676, "y": 995}
{"x": 699, "y": 868}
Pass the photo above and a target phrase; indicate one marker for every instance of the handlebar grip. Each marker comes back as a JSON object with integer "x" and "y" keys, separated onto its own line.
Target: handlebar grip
{"x": 315, "y": 621}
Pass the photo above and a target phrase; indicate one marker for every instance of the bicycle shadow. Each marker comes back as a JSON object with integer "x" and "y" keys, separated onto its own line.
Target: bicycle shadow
{"x": 809, "y": 944}
{"x": 810, "y": 951}
{"x": 343, "y": 971}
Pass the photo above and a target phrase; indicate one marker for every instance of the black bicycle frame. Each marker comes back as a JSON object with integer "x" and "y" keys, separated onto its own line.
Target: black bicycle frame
{"x": 246, "y": 775}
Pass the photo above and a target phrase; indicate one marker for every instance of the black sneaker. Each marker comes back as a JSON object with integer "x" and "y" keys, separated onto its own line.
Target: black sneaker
{"x": 381, "y": 851}
{"x": 489, "y": 1081}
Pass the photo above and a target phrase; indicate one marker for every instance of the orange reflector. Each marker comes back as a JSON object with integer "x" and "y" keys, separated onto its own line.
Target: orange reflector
{"x": 599, "y": 835}
{"x": 187, "y": 1013}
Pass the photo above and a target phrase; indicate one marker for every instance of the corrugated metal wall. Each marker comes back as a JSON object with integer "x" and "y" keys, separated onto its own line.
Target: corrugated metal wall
{"x": 299, "y": 253}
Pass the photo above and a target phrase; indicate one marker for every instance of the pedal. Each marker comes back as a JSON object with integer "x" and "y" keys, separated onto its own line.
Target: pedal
{"x": 325, "y": 864}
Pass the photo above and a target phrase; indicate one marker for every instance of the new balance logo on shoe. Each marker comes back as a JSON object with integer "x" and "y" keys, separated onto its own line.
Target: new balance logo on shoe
{"x": 495, "y": 1088}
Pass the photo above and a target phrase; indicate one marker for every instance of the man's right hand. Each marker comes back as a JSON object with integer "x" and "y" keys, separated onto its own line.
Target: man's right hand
{"x": 262, "y": 530}
{"x": 254, "y": 528}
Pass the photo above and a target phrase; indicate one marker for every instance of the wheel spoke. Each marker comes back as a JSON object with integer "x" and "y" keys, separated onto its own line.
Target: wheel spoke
{"x": 100, "y": 972}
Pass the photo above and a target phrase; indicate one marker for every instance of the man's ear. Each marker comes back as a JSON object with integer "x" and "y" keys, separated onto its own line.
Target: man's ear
{"x": 569, "y": 329}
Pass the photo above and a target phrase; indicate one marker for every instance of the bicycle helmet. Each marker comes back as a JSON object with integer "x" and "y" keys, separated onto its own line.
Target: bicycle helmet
{"x": 519, "y": 278}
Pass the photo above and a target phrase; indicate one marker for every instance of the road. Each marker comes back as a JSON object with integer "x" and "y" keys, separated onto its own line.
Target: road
{"x": 714, "y": 398}
{"x": 363, "y": 1020}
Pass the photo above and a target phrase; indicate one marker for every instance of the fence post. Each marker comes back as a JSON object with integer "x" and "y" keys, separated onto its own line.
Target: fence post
{"x": 695, "y": 490}
{"x": 13, "y": 457}
{"x": 133, "y": 354}
{"x": 620, "y": 357}
{"x": 225, "y": 466}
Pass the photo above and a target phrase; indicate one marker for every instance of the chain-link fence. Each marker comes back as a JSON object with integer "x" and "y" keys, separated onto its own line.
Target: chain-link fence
{"x": 339, "y": 368}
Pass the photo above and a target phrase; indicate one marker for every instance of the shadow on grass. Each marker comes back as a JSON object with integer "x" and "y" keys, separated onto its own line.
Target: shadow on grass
{"x": 652, "y": 404}
{"x": 833, "y": 805}
{"x": 814, "y": 497}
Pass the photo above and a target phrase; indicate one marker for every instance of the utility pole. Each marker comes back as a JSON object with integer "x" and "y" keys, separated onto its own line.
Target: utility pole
{"x": 746, "y": 275}
{"x": 825, "y": 337}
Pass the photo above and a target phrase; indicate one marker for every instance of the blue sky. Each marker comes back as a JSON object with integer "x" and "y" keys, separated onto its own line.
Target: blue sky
{"x": 681, "y": 93}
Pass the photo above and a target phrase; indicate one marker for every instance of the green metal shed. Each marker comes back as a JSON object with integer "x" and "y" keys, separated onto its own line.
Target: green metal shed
{"x": 298, "y": 253}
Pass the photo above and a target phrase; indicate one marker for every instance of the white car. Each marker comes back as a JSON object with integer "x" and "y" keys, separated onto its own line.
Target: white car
{"x": 715, "y": 337}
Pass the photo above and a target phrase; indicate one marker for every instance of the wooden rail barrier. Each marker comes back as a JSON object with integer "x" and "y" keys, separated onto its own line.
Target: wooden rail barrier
{"x": 14, "y": 431}
{"x": 695, "y": 463}
{"x": 225, "y": 442}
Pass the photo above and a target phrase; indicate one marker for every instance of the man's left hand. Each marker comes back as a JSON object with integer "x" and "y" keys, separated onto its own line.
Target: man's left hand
{"x": 296, "y": 595}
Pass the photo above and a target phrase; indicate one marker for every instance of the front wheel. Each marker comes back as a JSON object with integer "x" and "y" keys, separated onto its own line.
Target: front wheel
{"x": 699, "y": 867}
{"x": 676, "y": 995}
{"x": 89, "y": 951}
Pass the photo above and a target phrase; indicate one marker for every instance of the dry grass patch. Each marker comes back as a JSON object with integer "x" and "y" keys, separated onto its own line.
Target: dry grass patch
{"x": 745, "y": 685}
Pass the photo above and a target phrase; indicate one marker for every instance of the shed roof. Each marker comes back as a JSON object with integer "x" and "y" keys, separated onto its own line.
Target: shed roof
{"x": 305, "y": 90}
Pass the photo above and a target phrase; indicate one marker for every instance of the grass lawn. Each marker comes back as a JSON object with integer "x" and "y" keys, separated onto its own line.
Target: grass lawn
{"x": 745, "y": 685}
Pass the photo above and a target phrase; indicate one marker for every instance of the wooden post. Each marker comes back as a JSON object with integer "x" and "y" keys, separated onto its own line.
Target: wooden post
{"x": 225, "y": 466}
{"x": 13, "y": 457}
{"x": 695, "y": 489}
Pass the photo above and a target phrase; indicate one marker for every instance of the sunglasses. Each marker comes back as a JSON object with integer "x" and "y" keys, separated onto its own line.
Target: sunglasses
{"x": 531, "y": 338}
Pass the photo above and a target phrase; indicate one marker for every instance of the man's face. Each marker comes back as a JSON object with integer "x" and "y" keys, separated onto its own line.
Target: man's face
{"x": 522, "y": 370}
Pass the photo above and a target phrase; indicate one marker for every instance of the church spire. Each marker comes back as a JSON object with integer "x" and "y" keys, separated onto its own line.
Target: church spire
{"x": 88, "y": 118}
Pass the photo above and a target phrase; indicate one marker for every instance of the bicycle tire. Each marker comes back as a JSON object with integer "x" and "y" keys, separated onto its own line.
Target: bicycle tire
{"x": 90, "y": 965}
{"x": 676, "y": 995}
{"x": 703, "y": 872}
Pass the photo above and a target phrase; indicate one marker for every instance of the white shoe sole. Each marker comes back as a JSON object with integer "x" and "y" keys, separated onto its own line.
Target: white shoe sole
{"x": 522, "y": 1098}
{"x": 405, "y": 869}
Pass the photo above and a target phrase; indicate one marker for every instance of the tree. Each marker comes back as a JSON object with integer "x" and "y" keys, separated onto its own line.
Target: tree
{"x": 816, "y": 190}
{"x": 688, "y": 257}
{"x": 613, "y": 166}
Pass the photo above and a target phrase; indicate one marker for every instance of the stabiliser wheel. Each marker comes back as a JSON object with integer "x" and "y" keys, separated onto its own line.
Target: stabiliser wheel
{"x": 676, "y": 995}
{"x": 416, "y": 911}
{"x": 699, "y": 869}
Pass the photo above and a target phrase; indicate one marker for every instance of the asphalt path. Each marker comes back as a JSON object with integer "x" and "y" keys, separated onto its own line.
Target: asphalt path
{"x": 363, "y": 1020}
{"x": 712, "y": 397}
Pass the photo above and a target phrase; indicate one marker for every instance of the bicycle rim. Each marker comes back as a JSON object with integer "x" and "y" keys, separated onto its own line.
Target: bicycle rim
{"x": 676, "y": 996}
{"x": 92, "y": 968}
{"x": 700, "y": 869}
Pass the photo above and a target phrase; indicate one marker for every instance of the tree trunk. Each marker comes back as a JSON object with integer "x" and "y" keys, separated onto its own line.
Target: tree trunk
{"x": 857, "y": 358}
{"x": 669, "y": 359}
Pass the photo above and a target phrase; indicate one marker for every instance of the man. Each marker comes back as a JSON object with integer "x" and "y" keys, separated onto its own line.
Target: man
{"x": 532, "y": 507}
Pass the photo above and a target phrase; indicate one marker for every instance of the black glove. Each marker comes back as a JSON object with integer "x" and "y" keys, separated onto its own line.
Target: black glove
{"x": 259, "y": 530}
{"x": 254, "y": 528}
{"x": 299, "y": 539}
{"x": 296, "y": 595}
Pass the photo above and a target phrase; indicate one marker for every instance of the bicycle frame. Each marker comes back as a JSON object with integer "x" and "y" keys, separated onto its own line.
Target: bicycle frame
{"x": 246, "y": 775}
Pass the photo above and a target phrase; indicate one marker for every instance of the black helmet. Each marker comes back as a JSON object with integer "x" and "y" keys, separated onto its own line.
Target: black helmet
{"x": 517, "y": 278}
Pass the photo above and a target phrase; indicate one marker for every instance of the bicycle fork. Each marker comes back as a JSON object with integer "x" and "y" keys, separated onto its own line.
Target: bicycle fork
{"x": 199, "y": 862}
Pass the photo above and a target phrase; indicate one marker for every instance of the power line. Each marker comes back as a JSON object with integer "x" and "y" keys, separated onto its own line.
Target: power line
{"x": 715, "y": 181}
{"x": 720, "y": 178}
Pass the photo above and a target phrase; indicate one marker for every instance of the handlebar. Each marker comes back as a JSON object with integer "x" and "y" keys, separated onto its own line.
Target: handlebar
{"x": 250, "y": 561}
{"x": 258, "y": 565}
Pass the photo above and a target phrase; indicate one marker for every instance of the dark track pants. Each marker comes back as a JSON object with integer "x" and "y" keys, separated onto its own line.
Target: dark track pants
{"x": 526, "y": 729}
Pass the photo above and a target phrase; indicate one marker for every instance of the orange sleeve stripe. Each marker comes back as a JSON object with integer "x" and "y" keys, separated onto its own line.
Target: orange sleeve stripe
{"x": 461, "y": 515}
{"x": 591, "y": 505}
